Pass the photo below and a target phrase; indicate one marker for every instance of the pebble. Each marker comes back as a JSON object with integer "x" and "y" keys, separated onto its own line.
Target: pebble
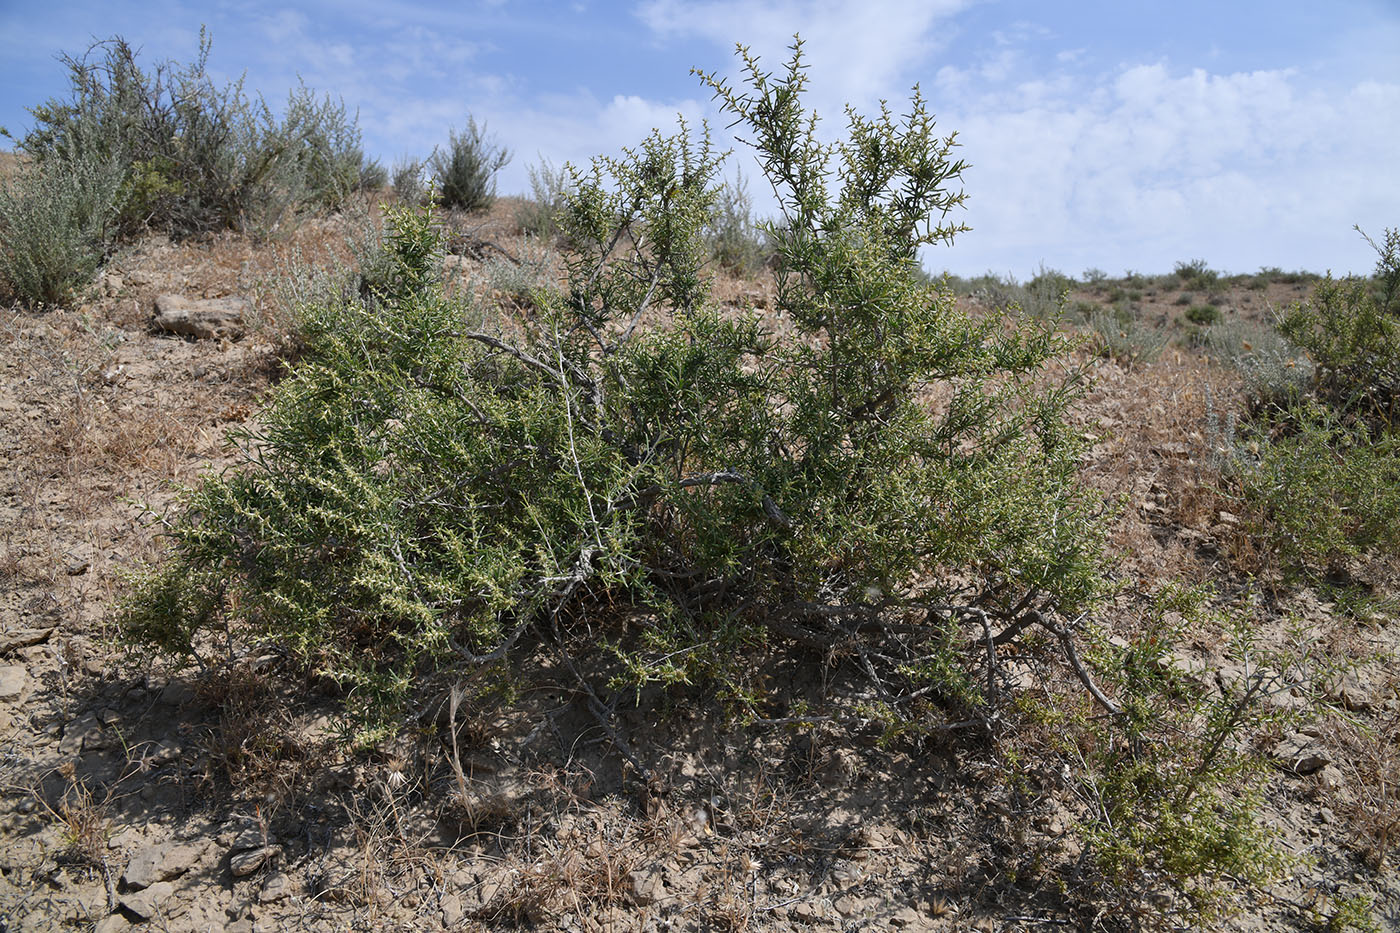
{"x": 452, "y": 911}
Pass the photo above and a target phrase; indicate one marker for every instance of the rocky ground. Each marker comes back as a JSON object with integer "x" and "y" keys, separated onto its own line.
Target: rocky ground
{"x": 136, "y": 796}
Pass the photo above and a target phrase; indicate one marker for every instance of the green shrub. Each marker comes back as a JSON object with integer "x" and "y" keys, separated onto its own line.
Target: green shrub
{"x": 1203, "y": 315}
{"x": 1325, "y": 491}
{"x": 1277, "y": 375}
{"x": 1196, "y": 274}
{"x": 373, "y": 176}
{"x": 662, "y": 500}
{"x": 1173, "y": 785}
{"x": 1351, "y": 329}
{"x": 57, "y": 221}
{"x": 408, "y": 181}
{"x": 1119, "y": 335}
{"x": 465, "y": 173}
{"x": 736, "y": 242}
{"x": 538, "y": 215}
{"x": 198, "y": 157}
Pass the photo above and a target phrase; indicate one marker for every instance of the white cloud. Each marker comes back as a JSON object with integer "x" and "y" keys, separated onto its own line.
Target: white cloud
{"x": 858, "y": 50}
{"x": 1155, "y": 166}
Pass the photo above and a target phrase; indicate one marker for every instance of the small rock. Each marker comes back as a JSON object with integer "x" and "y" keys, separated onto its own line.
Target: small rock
{"x": 646, "y": 886}
{"x": 162, "y": 863}
{"x": 179, "y": 693}
{"x": 1352, "y": 694}
{"x": 277, "y": 887}
{"x": 112, "y": 284}
{"x": 245, "y": 863}
{"x": 253, "y": 837}
{"x": 907, "y": 917}
{"x": 807, "y": 911}
{"x": 146, "y": 903}
{"x": 142, "y": 870}
{"x": 1331, "y": 778}
{"x": 242, "y": 925}
{"x": 846, "y": 905}
{"x": 452, "y": 911}
{"x": 85, "y": 731}
{"x": 142, "y": 278}
{"x": 1301, "y": 755}
{"x": 490, "y": 887}
{"x": 24, "y": 638}
{"x": 201, "y": 318}
{"x": 13, "y": 681}
{"x": 112, "y": 923}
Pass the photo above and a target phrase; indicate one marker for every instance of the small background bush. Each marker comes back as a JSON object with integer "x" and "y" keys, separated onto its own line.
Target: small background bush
{"x": 408, "y": 181}
{"x": 736, "y": 241}
{"x": 465, "y": 172}
{"x": 538, "y": 215}
{"x": 198, "y": 158}
{"x": 57, "y": 223}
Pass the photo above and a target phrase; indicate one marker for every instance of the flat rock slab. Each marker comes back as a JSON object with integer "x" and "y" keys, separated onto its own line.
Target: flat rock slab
{"x": 146, "y": 903}
{"x": 154, "y": 863}
{"x": 201, "y": 318}
{"x": 13, "y": 680}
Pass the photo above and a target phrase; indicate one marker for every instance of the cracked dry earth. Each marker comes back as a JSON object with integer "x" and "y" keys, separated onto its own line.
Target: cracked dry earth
{"x": 136, "y": 797}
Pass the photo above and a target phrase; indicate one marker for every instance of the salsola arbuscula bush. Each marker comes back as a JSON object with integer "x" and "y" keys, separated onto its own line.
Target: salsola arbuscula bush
{"x": 652, "y": 483}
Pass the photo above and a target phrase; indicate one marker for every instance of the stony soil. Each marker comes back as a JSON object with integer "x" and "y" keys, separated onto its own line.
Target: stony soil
{"x": 136, "y": 796}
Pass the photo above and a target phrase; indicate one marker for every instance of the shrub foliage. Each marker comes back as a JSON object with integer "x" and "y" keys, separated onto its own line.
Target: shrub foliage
{"x": 198, "y": 157}
{"x": 465, "y": 171}
{"x": 647, "y": 472}
{"x": 56, "y": 227}
{"x": 1321, "y": 465}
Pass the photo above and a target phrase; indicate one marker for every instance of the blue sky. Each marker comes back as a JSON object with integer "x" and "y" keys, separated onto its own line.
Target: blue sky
{"x": 1117, "y": 135}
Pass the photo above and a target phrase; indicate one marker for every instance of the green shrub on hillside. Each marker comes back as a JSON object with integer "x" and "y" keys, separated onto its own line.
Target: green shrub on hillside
{"x": 1322, "y": 467}
{"x": 1351, "y": 329}
{"x": 1203, "y": 315}
{"x": 57, "y": 222}
{"x": 538, "y": 215}
{"x": 407, "y": 176}
{"x": 1327, "y": 490}
{"x": 737, "y": 243}
{"x": 646, "y": 478}
{"x": 465, "y": 172}
{"x": 198, "y": 157}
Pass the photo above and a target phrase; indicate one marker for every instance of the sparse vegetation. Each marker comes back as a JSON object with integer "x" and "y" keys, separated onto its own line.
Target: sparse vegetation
{"x": 195, "y": 157}
{"x": 1203, "y": 315}
{"x": 1119, "y": 335}
{"x": 1320, "y": 461}
{"x": 408, "y": 181}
